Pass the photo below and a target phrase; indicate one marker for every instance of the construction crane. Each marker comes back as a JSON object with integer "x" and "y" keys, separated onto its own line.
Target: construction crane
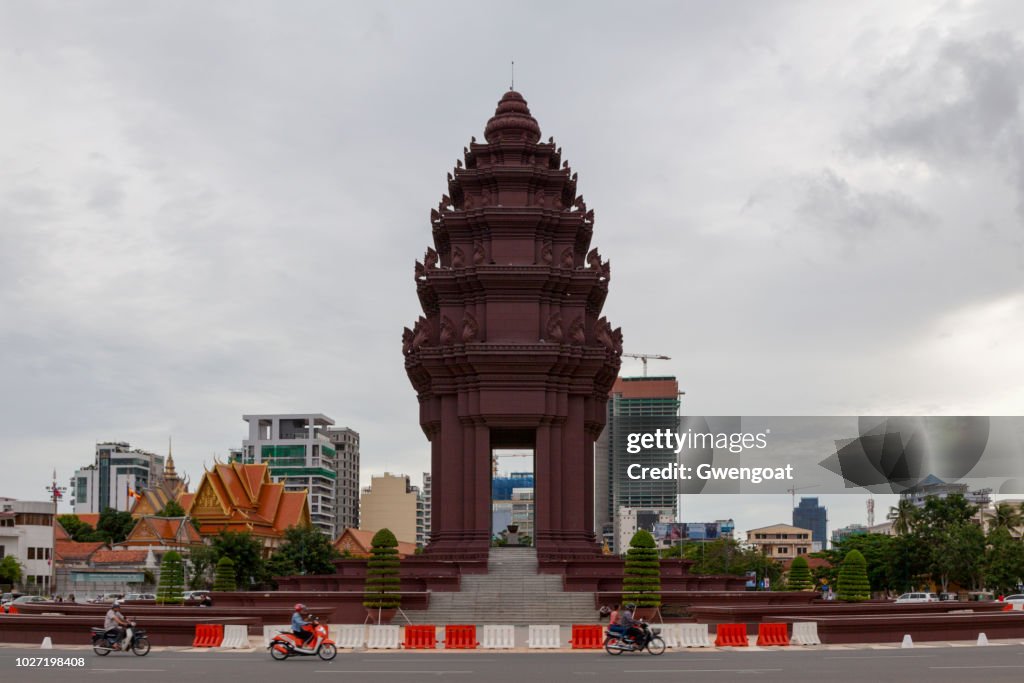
{"x": 792, "y": 491}
{"x": 644, "y": 357}
{"x": 495, "y": 456}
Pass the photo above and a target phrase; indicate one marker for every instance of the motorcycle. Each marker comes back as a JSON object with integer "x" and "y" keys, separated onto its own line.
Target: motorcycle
{"x": 104, "y": 641}
{"x": 286, "y": 644}
{"x": 649, "y": 639}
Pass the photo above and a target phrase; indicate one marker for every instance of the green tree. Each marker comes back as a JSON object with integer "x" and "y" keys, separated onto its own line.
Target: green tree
{"x": 78, "y": 530}
{"x": 853, "y": 578}
{"x": 203, "y": 559}
{"x": 10, "y": 570}
{"x": 225, "y": 578}
{"x": 1007, "y": 516}
{"x": 113, "y": 526}
{"x": 172, "y": 579}
{"x": 949, "y": 542}
{"x": 172, "y": 509}
{"x": 306, "y": 550}
{"x": 903, "y": 517}
{"x": 800, "y": 575}
{"x": 957, "y": 554}
{"x": 1004, "y": 561}
{"x": 641, "y": 580}
{"x": 246, "y": 552}
{"x": 382, "y": 572}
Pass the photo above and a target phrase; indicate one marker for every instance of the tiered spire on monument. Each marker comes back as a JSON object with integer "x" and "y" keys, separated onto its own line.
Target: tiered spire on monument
{"x": 511, "y": 351}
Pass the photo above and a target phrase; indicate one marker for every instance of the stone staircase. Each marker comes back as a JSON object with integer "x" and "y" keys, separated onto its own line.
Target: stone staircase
{"x": 512, "y": 592}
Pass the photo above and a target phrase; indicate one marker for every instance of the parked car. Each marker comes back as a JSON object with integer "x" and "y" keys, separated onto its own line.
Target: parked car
{"x": 109, "y": 597}
{"x": 194, "y": 595}
{"x": 23, "y": 600}
{"x": 917, "y": 597}
{"x": 140, "y": 596}
{"x": 1018, "y": 597}
{"x": 949, "y": 596}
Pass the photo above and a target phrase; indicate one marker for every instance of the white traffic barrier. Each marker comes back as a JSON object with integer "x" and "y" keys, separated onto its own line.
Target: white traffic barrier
{"x": 348, "y": 636}
{"x": 982, "y": 639}
{"x": 383, "y": 637}
{"x": 672, "y": 634}
{"x": 270, "y": 631}
{"x": 907, "y": 641}
{"x": 805, "y": 633}
{"x": 695, "y": 635}
{"x": 235, "y": 637}
{"x": 498, "y": 637}
{"x": 47, "y": 644}
{"x": 544, "y": 636}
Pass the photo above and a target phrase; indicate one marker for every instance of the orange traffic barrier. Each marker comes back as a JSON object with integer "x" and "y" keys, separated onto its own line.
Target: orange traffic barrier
{"x": 208, "y": 635}
{"x": 420, "y": 637}
{"x": 460, "y": 637}
{"x": 731, "y": 635}
{"x": 587, "y": 637}
{"x": 772, "y": 634}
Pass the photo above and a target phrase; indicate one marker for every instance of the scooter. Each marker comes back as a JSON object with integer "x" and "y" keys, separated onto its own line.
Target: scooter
{"x": 286, "y": 644}
{"x": 104, "y": 641}
{"x": 649, "y": 639}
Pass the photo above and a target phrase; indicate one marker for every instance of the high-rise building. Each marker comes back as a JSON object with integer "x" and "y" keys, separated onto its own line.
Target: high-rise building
{"x": 392, "y": 502}
{"x": 649, "y": 403}
{"x": 425, "y": 495}
{"x": 117, "y": 469}
{"x": 810, "y": 515}
{"x": 346, "y": 448}
{"x": 302, "y": 456}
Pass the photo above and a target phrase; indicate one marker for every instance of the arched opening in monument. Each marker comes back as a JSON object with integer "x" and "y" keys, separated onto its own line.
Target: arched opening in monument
{"x": 512, "y": 489}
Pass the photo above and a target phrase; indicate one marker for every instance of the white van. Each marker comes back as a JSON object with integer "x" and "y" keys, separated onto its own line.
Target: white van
{"x": 917, "y": 597}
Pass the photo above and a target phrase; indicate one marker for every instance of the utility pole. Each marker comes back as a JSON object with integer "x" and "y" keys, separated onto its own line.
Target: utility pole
{"x": 56, "y": 494}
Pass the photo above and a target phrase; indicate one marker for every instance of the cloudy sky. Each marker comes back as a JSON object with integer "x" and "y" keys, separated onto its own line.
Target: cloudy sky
{"x": 213, "y": 208}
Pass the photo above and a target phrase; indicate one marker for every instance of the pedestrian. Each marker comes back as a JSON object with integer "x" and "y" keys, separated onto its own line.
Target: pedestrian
{"x": 71, "y": 598}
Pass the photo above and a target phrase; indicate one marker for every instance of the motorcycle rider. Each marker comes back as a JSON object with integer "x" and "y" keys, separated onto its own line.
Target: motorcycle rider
{"x": 299, "y": 624}
{"x": 628, "y": 623}
{"x": 116, "y": 622}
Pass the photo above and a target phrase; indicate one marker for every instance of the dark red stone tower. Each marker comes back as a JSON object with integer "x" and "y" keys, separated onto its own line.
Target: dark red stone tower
{"x": 511, "y": 351}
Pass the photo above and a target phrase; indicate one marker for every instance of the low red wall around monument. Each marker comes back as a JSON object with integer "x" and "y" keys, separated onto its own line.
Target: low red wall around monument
{"x": 604, "y": 574}
{"x": 752, "y": 614}
{"x": 74, "y": 630}
{"x": 419, "y": 573}
{"x": 259, "y": 607}
{"x": 890, "y": 628}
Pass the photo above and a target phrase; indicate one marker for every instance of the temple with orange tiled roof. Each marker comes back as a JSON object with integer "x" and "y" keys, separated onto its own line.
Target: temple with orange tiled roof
{"x": 162, "y": 533}
{"x": 357, "y": 543}
{"x": 241, "y": 497}
{"x": 151, "y": 500}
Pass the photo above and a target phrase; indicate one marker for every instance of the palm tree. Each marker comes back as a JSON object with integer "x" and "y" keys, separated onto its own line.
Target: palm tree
{"x": 902, "y": 517}
{"x": 1007, "y": 516}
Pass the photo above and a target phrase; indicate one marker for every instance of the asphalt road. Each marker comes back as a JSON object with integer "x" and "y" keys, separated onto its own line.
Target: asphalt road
{"x": 992, "y": 664}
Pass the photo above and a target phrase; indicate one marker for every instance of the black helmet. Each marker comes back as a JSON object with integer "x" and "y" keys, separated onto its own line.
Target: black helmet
{"x": 631, "y": 607}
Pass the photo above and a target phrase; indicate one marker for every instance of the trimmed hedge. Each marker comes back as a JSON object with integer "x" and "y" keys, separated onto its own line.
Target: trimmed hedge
{"x": 800, "y": 575}
{"x": 641, "y": 580}
{"x": 172, "y": 580}
{"x": 853, "y": 585}
{"x": 382, "y": 582}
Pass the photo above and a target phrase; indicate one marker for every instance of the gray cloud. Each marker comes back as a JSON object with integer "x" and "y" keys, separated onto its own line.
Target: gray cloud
{"x": 211, "y": 209}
